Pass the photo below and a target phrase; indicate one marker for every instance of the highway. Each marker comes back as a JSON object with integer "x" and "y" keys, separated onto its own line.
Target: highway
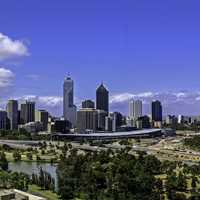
{"x": 156, "y": 149}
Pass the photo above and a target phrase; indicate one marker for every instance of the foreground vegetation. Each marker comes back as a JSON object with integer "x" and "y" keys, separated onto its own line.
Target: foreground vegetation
{"x": 20, "y": 134}
{"x": 14, "y": 180}
{"x": 105, "y": 174}
{"x": 21, "y": 181}
{"x": 42, "y": 153}
{"x": 193, "y": 142}
{"x": 36, "y": 190}
{"x": 119, "y": 175}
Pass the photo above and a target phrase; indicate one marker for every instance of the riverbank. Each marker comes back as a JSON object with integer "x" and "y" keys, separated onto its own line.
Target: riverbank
{"x": 35, "y": 190}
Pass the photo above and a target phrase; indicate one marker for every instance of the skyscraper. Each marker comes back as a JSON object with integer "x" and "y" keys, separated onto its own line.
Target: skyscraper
{"x": 69, "y": 109}
{"x": 156, "y": 111}
{"x": 12, "y": 114}
{"x": 119, "y": 118}
{"x": 42, "y": 116}
{"x": 135, "y": 109}
{"x": 3, "y": 119}
{"x": 102, "y": 98}
{"x": 88, "y": 104}
{"x": 101, "y": 116}
{"x": 27, "y": 113}
{"x": 87, "y": 119}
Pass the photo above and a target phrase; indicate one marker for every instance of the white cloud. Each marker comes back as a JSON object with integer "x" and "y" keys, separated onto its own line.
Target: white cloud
{"x": 121, "y": 97}
{"x": 173, "y": 102}
{"x": 186, "y": 102}
{"x": 50, "y": 101}
{"x": 145, "y": 94}
{"x": 52, "y": 104}
{"x": 6, "y": 78}
{"x": 11, "y": 48}
{"x": 197, "y": 99}
{"x": 127, "y": 96}
{"x": 180, "y": 94}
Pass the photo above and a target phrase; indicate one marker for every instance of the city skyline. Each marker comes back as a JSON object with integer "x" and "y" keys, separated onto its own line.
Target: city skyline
{"x": 131, "y": 46}
{"x": 99, "y": 99}
{"x": 119, "y": 102}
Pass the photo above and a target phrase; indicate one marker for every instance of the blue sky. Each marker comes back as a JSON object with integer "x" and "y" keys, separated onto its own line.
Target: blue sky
{"x": 134, "y": 46}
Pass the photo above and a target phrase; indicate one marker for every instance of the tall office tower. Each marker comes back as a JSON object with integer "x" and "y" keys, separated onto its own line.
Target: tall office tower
{"x": 18, "y": 116}
{"x": 156, "y": 111}
{"x": 42, "y": 116}
{"x": 87, "y": 119}
{"x": 27, "y": 113}
{"x": 102, "y": 98}
{"x": 69, "y": 109}
{"x": 88, "y": 104}
{"x": 3, "y": 119}
{"x": 12, "y": 114}
{"x": 110, "y": 123}
{"x": 101, "y": 116}
{"x": 180, "y": 119}
{"x": 119, "y": 118}
{"x": 143, "y": 122}
{"x": 135, "y": 109}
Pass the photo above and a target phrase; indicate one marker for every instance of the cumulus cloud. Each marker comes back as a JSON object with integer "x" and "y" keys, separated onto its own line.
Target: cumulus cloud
{"x": 10, "y": 48}
{"x": 50, "y": 100}
{"x": 51, "y": 103}
{"x": 127, "y": 96}
{"x": 187, "y": 103}
{"x": 54, "y": 104}
{"x": 6, "y": 77}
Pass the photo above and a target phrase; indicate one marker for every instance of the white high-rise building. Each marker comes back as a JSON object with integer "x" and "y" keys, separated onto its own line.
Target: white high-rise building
{"x": 69, "y": 109}
{"x": 135, "y": 109}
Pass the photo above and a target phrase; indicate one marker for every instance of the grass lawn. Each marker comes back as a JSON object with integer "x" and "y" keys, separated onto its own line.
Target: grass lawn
{"x": 35, "y": 190}
{"x": 44, "y": 158}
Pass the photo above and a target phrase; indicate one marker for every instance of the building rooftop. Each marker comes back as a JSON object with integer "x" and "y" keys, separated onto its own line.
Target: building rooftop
{"x": 125, "y": 134}
{"x": 13, "y": 194}
{"x": 102, "y": 88}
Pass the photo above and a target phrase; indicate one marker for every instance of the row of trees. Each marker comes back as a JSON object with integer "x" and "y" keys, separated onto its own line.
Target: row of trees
{"x": 193, "y": 142}
{"x": 3, "y": 161}
{"x": 109, "y": 175}
{"x": 14, "y": 180}
{"x": 20, "y": 134}
{"x": 20, "y": 180}
{"x": 43, "y": 180}
{"x": 120, "y": 175}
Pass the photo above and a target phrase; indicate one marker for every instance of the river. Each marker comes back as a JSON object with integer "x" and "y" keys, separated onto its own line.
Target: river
{"x": 33, "y": 167}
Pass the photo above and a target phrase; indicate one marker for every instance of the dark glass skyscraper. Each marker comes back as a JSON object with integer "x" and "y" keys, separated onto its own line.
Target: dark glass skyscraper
{"x": 27, "y": 112}
{"x": 102, "y": 98}
{"x": 12, "y": 113}
{"x": 69, "y": 109}
{"x": 88, "y": 104}
{"x": 156, "y": 111}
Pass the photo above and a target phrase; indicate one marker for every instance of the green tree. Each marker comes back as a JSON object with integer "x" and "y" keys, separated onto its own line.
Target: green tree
{"x": 3, "y": 161}
{"x": 29, "y": 156}
{"x": 194, "y": 183}
{"x": 181, "y": 182}
{"x": 16, "y": 156}
{"x": 107, "y": 175}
